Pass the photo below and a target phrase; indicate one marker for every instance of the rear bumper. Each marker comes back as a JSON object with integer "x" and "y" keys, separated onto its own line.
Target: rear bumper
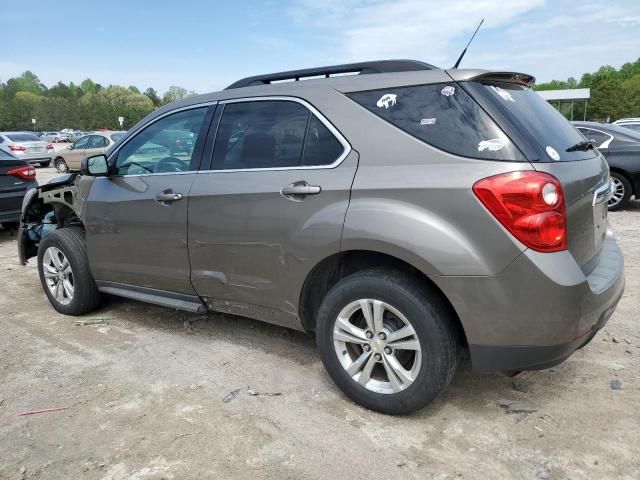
{"x": 11, "y": 204}
{"x": 538, "y": 311}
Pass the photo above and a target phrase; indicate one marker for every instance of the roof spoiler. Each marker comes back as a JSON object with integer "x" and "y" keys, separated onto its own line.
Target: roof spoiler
{"x": 504, "y": 77}
{"x": 362, "y": 68}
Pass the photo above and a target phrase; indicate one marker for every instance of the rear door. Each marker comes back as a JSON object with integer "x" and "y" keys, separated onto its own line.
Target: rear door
{"x": 136, "y": 218}
{"x": 270, "y": 207}
{"x": 96, "y": 145}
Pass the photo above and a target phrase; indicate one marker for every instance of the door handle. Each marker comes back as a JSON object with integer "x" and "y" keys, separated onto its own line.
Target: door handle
{"x": 168, "y": 196}
{"x": 300, "y": 189}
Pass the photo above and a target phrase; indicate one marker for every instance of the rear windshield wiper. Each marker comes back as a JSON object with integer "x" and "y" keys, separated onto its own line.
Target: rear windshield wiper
{"x": 581, "y": 146}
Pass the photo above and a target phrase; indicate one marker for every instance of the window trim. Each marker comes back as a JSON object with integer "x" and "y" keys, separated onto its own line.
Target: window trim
{"x": 151, "y": 122}
{"x": 603, "y": 145}
{"x": 334, "y": 131}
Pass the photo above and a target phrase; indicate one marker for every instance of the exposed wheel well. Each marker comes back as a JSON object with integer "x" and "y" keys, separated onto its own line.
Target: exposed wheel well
{"x": 332, "y": 269}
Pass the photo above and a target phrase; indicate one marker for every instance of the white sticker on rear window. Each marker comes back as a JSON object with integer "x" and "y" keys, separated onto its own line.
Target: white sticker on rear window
{"x": 506, "y": 96}
{"x": 448, "y": 91}
{"x": 492, "y": 145}
{"x": 428, "y": 121}
{"x": 553, "y": 153}
{"x": 387, "y": 100}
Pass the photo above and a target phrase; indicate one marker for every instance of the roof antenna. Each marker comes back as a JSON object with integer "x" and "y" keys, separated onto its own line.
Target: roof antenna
{"x": 465, "y": 48}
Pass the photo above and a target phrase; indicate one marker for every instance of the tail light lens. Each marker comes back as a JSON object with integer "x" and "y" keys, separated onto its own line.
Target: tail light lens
{"x": 26, "y": 173}
{"x": 50, "y": 147}
{"x": 528, "y": 204}
{"x": 17, "y": 148}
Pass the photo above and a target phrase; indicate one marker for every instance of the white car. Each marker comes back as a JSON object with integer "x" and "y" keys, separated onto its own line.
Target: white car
{"x": 630, "y": 123}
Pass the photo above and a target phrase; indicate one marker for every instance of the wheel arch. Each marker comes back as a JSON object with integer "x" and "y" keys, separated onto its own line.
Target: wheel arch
{"x": 621, "y": 172}
{"x": 332, "y": 269}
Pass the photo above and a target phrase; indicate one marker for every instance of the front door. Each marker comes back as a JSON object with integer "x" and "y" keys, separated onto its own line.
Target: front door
{"x": 136, "y": 218}
{"x": 74, "y": 156}
{"x": 271, "y": 207}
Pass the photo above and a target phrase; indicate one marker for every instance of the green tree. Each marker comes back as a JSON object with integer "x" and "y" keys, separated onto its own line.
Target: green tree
{"x": 153, "y": 96}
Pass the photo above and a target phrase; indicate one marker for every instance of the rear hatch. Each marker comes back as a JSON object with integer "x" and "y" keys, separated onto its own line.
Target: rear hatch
{"x": 553, "y": 146}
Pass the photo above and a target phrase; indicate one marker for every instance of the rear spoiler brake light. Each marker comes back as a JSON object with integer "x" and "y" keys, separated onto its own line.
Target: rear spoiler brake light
{"x": 482, "y": 75}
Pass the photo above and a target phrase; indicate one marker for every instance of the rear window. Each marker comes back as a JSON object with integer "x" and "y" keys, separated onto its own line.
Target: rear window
{"x": 24, "y": 137}
{"x": 117, "y": 136}
{"x": 444, "y": 116}
{"x": 528, "y": 113}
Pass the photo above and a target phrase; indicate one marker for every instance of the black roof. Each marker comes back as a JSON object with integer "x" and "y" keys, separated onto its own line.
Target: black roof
{"x": 362, "y": 68}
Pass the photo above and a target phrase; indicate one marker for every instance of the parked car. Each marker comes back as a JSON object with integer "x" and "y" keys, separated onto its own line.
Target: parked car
{"x": 387, "y": 231}
{"x": 621, "y": 147}
{"x": 75, "y": 136}
{"x": 630, "y": 123}
{"x": 64, "y": 136}
{"x": 16, "y": 178}
{"x": 69, "y": 159}
{"x": 50, "y": 136}
{"x": 27, "y": 146}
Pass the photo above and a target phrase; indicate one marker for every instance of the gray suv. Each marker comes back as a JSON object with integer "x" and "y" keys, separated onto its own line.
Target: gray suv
{"x": 403, "y": 214}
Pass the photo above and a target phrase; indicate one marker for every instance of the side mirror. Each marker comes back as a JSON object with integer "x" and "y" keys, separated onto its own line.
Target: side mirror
{"x": 95, "y": 166}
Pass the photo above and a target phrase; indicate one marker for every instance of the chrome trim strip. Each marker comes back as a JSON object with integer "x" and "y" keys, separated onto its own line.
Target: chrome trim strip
{"x": 343, "y": 141}
{"x": 602, "y": 193}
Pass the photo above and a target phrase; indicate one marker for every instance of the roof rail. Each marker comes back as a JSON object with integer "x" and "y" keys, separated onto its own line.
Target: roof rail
{"x": 362, "y": 68}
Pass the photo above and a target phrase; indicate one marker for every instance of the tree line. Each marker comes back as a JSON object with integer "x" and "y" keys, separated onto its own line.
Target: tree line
{"x": 87, "y": 106}
{"x": 615, "y": 93}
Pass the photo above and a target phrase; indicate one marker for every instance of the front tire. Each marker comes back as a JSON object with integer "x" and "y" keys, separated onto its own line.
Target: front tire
{"x": 65, "y": 274}
{"x": 387, "y": 341}
{"x": 621, "y": 192}
{"x": 61, "y": 165}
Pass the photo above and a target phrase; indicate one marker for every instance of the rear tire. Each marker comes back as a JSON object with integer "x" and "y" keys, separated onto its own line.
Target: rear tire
{"x": 65, "y": 274}
{"x": 45, "y": 164}
{"x": 621, "y": 192}
{"x": 61, "y": 165}
{"x": 406, "y": 305}
{"x": 9, "y": 225}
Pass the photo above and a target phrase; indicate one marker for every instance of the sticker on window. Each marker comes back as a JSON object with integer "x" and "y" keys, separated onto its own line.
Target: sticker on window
{"x": 506, "y": 96}
{"x": 387, "y": 100}
{"x": 448, "y": 91}
{"x": 428, "y": 121}
{"x": 492, "y": 145}
{"x": 553, "y": 153}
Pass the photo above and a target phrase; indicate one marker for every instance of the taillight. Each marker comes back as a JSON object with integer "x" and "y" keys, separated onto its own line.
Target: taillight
{"x": 26, "y": 173}
{"x": 528, "y": 204}
{"x": 17, "y": 148}
{"x": 49, "y": 147}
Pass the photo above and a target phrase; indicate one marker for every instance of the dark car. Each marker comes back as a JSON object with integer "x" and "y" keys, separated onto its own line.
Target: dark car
{"x": 402, "y": 213}
{"x": 16, "y": 178}
{"x": 621, "y": 148}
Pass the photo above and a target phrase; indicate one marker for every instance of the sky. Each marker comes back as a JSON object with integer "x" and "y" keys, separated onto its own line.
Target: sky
{"x": 206, "y": 45}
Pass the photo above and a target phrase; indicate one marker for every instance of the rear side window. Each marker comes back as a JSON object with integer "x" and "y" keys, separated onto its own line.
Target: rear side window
{"x": 444, "y": 116}
{"x": 597, "y": 137}
{"x": 272, "y": 134}
{"x": 24, "y": 137}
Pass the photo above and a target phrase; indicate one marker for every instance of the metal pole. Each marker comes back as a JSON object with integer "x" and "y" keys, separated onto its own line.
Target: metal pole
{"x": 572, "y": 110}
{"x": 585, "y": 110}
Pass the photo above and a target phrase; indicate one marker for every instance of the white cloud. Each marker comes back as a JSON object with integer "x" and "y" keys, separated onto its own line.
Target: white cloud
{"x": 407, "y": 28}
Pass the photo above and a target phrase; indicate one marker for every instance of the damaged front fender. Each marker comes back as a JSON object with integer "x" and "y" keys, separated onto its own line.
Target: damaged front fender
{"x": 45, "y": 208}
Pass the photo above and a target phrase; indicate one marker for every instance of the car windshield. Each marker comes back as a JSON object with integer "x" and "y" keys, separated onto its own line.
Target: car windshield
{"x": 526, "y": 111}
{"x": 24, "y": 137}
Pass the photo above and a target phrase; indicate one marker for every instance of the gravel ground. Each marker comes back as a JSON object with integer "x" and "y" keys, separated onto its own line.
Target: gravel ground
{"x": 153, "y": 393}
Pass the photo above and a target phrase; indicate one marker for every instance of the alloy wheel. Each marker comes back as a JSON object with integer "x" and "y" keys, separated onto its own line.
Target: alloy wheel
{"x": 61, "y": 166}
{"x": 58, "y": 275}
{"x": 618, "y": 192}
{"x": 377, "y": 346}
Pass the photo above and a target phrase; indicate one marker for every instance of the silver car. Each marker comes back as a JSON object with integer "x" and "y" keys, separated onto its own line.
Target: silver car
{"x": 402, "y": 214}
{"x": 27, "y": 146}
{"x": 50, "y": 136}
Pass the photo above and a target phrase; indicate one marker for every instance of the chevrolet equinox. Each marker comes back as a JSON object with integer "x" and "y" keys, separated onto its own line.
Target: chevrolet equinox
{"x": 400, "y": 212}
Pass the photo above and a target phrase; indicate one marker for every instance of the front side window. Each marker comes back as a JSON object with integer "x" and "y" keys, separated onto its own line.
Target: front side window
{"x": 442, "y": 115}
{"x": 272, "y": 134}
{"x": 96, "y": 141}
{"x": 82, "y": 143}
{"x": 165, "y": 146}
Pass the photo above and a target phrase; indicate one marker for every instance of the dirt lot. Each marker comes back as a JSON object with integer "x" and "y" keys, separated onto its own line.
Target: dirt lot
{"x": 148, "y": 396}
